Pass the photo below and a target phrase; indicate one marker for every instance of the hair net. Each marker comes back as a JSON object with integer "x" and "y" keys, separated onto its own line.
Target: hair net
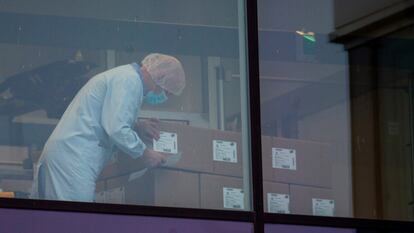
{"x": 166, "y": 71}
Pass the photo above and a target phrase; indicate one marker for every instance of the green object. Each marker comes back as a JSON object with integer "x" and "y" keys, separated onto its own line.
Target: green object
{"x": 309, "y": 45}
{"x": 310, "y": 38}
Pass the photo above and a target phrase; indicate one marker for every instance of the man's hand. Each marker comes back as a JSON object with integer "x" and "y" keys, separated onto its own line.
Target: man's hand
{"x": 148, "y": 130}
{"x": 153, "y": 159}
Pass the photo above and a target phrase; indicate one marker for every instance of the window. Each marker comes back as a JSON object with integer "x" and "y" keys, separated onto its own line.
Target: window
{"x": 66, "y": 127}
{"x": 336, "y": 118}
{"x": 306, "y": 144}
{"x": 381, "y": 84}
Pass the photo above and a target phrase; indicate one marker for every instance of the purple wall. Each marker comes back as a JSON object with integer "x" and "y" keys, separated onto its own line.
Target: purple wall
{"x": 279, "y": 228}
{"x": 22, "y": 221}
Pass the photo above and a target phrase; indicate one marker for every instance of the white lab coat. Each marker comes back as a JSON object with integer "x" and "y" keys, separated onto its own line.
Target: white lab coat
{"x": 98, "y": 120}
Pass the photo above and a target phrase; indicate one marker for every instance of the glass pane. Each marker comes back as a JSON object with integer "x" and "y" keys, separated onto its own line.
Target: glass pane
{"x": 68, "y": 222}
{"x": 337, "y": 137}
{"x": 304, "y": 79}
{"x": 90, "y": 110}
{"x": 385, "y": 126}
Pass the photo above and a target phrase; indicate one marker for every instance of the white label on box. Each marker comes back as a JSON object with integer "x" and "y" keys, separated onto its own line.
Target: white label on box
{"x": 284, "y": 158}
{"x": 233, "y": 198}
{"x": 323, "y": 207}
{"x": 167, "y": 143}
{"x": 278, "y": 203}
{"x": 115, "y": 196}
{"x": 225, "y": 151}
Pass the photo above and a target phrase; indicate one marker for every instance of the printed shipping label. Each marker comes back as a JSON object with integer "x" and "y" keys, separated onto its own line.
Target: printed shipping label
{"x": 284, "y": 158}
{"x": 225, "y": 151}
{"x": 278, "y": 203}
{"x": 233, "y": 198}
{"x": 167, "y": 143}
{"x": 323, "y": 207}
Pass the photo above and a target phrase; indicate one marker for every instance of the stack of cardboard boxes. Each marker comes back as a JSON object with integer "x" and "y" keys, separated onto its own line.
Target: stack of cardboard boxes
{"x": 297, "y": 177}
{"x": 14, "y": 177}
{"x": 208, "y": 173}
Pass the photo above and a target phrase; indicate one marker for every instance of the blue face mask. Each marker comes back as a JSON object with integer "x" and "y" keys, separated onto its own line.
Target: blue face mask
{"x": 154, "y": 99}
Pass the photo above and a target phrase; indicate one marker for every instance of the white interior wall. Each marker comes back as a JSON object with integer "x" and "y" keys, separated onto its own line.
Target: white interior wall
{"x": 280, "y": 77}
{"x": 292, "y": 15}
{"x": 211, "y": 12}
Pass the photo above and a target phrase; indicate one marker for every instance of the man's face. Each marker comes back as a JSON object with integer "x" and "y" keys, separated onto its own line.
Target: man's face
{"x": 151, "y": 84}
{"x": 159, "y": 89}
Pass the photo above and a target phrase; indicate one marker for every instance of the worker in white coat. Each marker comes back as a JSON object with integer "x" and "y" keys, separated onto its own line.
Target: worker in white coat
{"x": 100, "y": 119}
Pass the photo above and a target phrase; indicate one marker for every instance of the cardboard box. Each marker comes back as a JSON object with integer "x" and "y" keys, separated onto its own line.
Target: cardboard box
{"x": 123, "y": 165}
{"x": 276, "y": 197}
{"x": 202, "y": 150}
{"x": 221, "y": 192}
{"x": 193, "y": 143}
{"x": 228, "y": 159}
{"x": 24, "y": 186}
{"x": 158, "y": 187}
{"x": 207, "y": 150}
{"x": 296, "y": 162}
{"x": 100, "y": 192}
{"x": 13, "y": 155}
{"x": 312, "y": 201}
{"x": 100, "y": 186}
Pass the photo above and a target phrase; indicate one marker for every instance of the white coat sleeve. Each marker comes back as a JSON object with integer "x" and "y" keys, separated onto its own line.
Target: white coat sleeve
{"x": 118, "y": 115}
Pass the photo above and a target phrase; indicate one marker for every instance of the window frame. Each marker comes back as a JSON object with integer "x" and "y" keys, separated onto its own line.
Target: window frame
{"x": 257, "y": 216}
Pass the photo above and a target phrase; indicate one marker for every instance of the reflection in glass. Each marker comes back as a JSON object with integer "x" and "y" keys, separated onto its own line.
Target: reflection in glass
{"x": 88, "y": 114}
{"x": 337, "y": 137}
{"x": 304, "y": 108}
{"x": 382, "y": 100}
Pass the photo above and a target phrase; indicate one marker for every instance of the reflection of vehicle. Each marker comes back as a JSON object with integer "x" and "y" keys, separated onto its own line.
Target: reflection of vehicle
{"x": 50, "y": 87}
